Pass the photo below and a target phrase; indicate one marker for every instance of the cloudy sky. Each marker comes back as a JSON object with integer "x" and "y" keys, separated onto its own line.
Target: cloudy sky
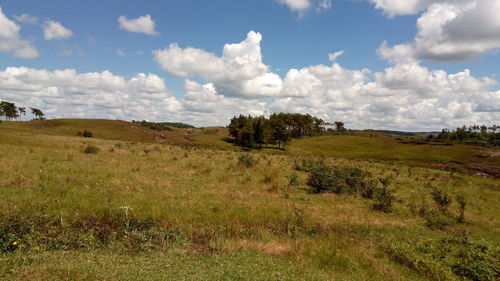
{"x": 386, "y": 64}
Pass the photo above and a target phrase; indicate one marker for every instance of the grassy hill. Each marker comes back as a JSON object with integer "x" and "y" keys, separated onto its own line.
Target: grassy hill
{"x": 101, "y": 129}
{"x": 144, "y": 210}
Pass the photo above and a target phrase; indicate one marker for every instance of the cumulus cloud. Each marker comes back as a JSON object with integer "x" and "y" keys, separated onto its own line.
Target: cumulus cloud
{"x": 53, "y": 30}
{"x": 66, "y": 93}
{"x": 447, "y": 30}
{"x": 296, "y": 5}
{"x": 26, "y": 18}
{"x": 406, "y": 96}
{"x": 238, "y": 72}
{"x": 142, "y": 24}
{"x": 11, "y": 42}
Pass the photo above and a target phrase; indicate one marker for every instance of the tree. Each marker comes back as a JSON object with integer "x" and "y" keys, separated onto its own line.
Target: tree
{"x": 258, "y": 129}
{"x": 22, "y": 111}
{"x": 339, "y": 127}
{"x": 38, "y": 113}
{"x": 9, "y": 110}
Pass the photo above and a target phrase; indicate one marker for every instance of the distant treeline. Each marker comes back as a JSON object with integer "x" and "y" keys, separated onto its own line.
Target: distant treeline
{"x": 278, "y": 129}
{"x": 178, "y": 125}
{"x": 9, "y": 111}
{"x": 162, "y": 126}
{"x": 475, "y": 133}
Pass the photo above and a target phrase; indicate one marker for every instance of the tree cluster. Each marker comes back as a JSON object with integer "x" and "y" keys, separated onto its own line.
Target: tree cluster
{"x": 9, "y": 111}
{"x": 277, "y": 130}
{"x": 475, "y": 133}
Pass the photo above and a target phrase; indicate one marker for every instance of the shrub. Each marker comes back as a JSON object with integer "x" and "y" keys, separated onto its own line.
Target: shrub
{"x": 247, "y": 160}
{"x": 461, "y": 206}
{"x": 383, "y": 199}
{"x": 441, "y": 198}
{"x": 90, "y": 149}
{"x": 438, "y": 220}
{"x": 86, "y": 134}
{"x": 339, "y": 180}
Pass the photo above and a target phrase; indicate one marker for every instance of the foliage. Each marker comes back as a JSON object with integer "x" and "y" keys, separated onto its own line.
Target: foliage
{"x": 153, "y": 126}
{"x": 91, "y": 149}
{"x": 475, "y": 133}
{"x": 440, "y": 259}
{"x": 177, "y": 125}
{"x": 338, "y": 180}
{"x": 441, "y": 198}
{"x": 383, "y": 199}
{"x": 39, "y": 115}
{"x": 278, "y": 129}
{"x": 9, "y": 110}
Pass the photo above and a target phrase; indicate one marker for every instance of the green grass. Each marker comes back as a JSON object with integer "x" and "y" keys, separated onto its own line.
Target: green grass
{"x": 197, "y": 213}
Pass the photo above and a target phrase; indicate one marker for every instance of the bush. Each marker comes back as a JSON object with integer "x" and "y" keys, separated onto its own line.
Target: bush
{"x": 441, "y": 198}
{"x": 438, "y": 220}
{"x": 383, "y": 199}
{"x": 90, "y": 149}
{"x": 247, "y": 160}
{"x": 339, "y": 180}
{"x": 86, "y": 134}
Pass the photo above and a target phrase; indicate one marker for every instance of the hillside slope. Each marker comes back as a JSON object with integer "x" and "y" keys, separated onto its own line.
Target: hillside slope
{"x": 144, "y": 211}
{"x": 101, "y": 129}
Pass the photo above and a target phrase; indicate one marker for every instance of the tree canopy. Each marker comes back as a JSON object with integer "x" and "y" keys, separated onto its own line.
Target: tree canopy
{"x": 277, "y": 130}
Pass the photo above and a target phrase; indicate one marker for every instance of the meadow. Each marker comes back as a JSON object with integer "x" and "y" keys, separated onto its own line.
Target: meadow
{"x": 192, "y": 206}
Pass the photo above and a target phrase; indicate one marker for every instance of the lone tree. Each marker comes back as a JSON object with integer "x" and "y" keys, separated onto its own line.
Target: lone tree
{"x": 38, "y": 113}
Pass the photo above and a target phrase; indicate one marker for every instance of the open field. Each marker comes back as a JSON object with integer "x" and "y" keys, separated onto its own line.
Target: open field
{"x": 143, "y": 210}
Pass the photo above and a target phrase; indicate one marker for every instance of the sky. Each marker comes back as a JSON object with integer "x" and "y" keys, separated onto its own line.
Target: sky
{"x": 413, "y": 65}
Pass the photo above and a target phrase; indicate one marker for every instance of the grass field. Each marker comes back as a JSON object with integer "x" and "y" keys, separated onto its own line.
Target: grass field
{"x": 141, "y": 210}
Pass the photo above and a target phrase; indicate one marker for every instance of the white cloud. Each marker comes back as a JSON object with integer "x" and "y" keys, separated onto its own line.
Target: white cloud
{"x": 334, "y": 56}
{"x": 405, "y": 96}
{"x": 142, "y": 24}
{"x": 53, "y": 30}
{"x": 238, "y": 72}
{"x": 11, "y": 42}
{"x": 66, "y": 93}
{"x": 26, "y": 18}
{"x": 447, "y": 30}
{"x": 121, "y": 53}
{"x": 296, "y": 5}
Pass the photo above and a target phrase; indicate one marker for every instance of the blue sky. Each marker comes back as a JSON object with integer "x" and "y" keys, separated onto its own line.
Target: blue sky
{"x": 292, "y": 34}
